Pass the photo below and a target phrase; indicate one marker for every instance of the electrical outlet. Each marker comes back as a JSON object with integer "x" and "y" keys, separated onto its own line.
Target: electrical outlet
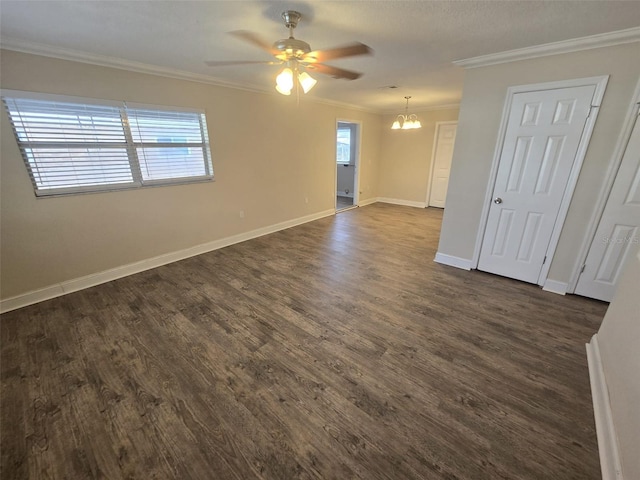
{"x": 241, "y": 213}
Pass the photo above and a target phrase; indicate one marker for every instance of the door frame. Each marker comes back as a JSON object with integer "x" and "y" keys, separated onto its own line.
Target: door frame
{"x": 612, "y": 171}
{"x": 433, "y": 156}
{"x": 356, "y": 175}
{"x": 600, "y": 82}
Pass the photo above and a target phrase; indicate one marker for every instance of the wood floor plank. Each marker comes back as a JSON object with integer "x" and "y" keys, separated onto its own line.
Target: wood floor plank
{"x": 333, "y": 350}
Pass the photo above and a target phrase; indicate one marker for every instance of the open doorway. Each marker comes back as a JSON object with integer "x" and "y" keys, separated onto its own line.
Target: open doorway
{"x": 441, "y": 158}
{"x": 347, "y": 141}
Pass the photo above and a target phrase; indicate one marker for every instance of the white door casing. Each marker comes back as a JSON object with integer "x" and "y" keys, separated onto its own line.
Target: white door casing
{"x": 619, "y": 229}
{"x": 542, "y": 138}
{"x": 444, "y": 141}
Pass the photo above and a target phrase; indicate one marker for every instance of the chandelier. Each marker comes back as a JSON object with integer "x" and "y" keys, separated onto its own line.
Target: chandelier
{"x": 406, "y": 121}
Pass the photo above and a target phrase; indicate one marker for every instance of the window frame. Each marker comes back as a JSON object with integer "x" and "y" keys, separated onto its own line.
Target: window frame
{"x": 131, "y": 147}
{"x": 352, "y": 146}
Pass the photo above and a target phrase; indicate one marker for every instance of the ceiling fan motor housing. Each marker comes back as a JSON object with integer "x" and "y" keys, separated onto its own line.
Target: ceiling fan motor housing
{"x": 291, "y": 18}
{"x": 292, "y": 47}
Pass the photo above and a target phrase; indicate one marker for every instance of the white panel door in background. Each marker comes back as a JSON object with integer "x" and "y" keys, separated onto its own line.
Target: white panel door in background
{"x": 543, "y": 133}
{"x": 619, "y": 229}
{"x": 442, "y": 156}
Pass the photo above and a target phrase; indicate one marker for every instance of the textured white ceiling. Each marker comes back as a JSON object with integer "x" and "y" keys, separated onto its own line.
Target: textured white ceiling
{"x": 414, "y": 41}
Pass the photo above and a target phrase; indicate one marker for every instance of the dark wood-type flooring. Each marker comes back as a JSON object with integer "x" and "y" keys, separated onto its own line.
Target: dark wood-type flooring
{"x": 333, "y": 350}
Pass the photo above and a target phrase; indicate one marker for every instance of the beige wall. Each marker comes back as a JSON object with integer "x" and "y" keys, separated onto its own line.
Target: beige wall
{"x": 268, "y": 155}
{"x": 405, "y": 156}
{"x": 619, "y": 342}
{"x": 480, "y": 113}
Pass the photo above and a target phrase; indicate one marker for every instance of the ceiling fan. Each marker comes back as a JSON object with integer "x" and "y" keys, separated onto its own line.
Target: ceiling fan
{"x": 298, "y": 57}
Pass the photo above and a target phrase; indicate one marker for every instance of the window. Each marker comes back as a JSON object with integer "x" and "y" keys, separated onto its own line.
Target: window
{"x": 70, "y": 146}
{"x": 345, "y": 144}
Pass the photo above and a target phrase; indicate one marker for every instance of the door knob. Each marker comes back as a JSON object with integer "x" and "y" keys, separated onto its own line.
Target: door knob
{"x": 497, "y": 200}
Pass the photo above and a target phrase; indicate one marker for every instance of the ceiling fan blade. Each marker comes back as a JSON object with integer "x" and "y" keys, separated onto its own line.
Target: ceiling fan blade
{"x": 350, "y": 50}
{"x": 334, "y": 71}
{"x": 238, "y": 62}
{"x": 254, "y": 39}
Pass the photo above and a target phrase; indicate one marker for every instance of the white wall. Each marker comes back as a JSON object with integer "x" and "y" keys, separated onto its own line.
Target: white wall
{"x": 268, "y": 156}
{"x": 405, "y": 156}
{"x": 619, "y": 342}
{"x": 480, "y": 114}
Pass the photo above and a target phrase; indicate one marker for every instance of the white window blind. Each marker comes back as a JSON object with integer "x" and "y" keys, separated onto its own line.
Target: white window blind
{"x": 169, "y": 144}
{"x": 71, "y": 147}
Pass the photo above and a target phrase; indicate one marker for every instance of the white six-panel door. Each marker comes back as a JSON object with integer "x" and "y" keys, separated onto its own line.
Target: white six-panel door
{"x": 442, "y": 156}
{"x": 543, "y": 133}
{"x": 618, "y": 232}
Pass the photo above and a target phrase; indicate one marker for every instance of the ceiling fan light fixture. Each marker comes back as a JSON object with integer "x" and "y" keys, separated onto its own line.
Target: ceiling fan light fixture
{"x": 306, "y": 81}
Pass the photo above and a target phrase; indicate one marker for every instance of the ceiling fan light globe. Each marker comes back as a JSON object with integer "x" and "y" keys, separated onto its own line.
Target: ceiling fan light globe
{"x": 284, "y": 81}
{"x": 417, "y": 124}
{"x": 306, "y": 81}
{"x": 408, "y": 125}
{"x": 283, "y": 91}
{"x": 396, "y": 125}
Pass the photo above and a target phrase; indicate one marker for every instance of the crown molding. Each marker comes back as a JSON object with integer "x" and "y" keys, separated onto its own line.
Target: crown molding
{"x": 115, "y": 62}
{"x": 618, "y": 37}
{"x": 16, "y": 45}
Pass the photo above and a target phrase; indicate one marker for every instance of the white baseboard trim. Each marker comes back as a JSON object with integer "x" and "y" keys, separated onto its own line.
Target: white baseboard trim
{"x": 605, "y": 428}
{"x": 368, "y": 201}
{"x": 406, "y": 203}
{"x": 452, "y": 261}
{"x": 561, "y": 288}
{"x": 94, "y": 279}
